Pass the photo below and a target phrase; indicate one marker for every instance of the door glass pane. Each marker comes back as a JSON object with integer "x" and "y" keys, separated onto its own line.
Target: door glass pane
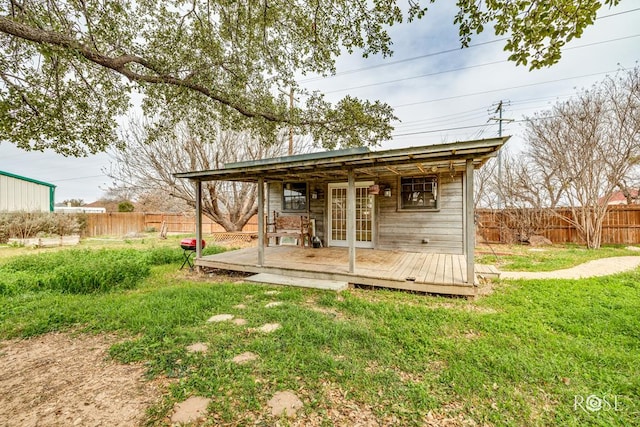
{"x": 364, "y": 205}
{"x": 339, "y": 214}
{"x": 364, "y": 214}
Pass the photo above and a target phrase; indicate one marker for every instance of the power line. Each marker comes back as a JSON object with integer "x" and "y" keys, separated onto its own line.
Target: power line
{"x": 442, "y": 130}
{"x": 435, "y": 73}
{"x": 481, "y": 111}
{"x": 400, "y": 61}
{"x": 441, "y": 52}
{"x": 457, "y": 118}
{"x": 78, "y": 178}
{"x": 452, "y": 70}
{"x": 618, "y": 13}
{"x": 499, "y": 90}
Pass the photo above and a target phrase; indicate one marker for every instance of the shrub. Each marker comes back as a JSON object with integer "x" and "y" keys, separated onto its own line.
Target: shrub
{"x": 23, "y": 225}
{"x": 125, "y": 206}
{"x": 11, "y": 282}
{"x": 161, "y": 256}
{"x": 4, "y": 228}
{"x": 212, "y": 250}
{"x": 85, "y": 271}
{"x": 37, "y": 264}
{"x": 104, "y": 275}
{"x": 75, "y": 271}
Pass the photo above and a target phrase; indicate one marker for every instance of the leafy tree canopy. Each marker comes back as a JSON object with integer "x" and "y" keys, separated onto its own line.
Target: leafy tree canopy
{"x": 68, "y": 68}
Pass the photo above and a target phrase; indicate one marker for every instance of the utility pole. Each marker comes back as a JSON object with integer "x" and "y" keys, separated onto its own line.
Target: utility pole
{"x": 291, "y": 124}
{"x": 499, "y": 119}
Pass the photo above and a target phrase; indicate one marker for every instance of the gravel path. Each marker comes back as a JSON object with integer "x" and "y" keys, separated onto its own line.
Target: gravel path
{"x": 598, "y": 267}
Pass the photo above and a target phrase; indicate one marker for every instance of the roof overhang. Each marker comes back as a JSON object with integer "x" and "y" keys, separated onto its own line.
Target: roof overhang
{"x": 24, "y": 178}
{"x": 365, "y": 163}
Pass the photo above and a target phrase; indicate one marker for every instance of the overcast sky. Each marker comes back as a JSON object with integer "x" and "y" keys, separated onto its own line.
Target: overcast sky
{"x": 440, "y": 93}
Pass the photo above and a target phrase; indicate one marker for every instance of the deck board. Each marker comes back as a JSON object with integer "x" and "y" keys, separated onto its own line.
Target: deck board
{"x": 437, "y": 273}
{"x": 424, "y": 269}
{"x": 433, "y": 267}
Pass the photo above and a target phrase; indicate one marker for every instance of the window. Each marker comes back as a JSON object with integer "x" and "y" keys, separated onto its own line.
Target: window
{"x": 419, "y": 192}
{"x": 294, "y": 196}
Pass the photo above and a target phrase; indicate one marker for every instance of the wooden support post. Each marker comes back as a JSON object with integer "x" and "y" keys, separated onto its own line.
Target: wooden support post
{"x": 261, "y": 231}
{"x": 470, "y": 228}
{"x": 198, "y": 221}
{"x": 351, "y": 220}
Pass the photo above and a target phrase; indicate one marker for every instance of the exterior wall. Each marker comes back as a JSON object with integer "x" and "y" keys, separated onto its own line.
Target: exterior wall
{"x": 396, "y": 229}
{"x": 274, "y": 199}
{"x": 23, "y": 195}
{"x": 316, "y": 206}
{"x": 405, "y": 230}
{"x": 317, "y": 209}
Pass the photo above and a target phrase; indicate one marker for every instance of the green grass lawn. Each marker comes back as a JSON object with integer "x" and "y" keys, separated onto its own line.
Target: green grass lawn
{"x": 548, "y": 258}
{"x": 531, "y": 353}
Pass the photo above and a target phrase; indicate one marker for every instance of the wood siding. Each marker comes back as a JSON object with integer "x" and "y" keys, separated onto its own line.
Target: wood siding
{"x": 405, "y": 229}
{"x": 316, "y": 209}
{"x": 274, "y": 199}
{"x": 396, "y": 229}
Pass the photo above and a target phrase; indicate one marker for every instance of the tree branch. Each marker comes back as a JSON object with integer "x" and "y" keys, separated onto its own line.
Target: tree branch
{"x": 121, "y": 64}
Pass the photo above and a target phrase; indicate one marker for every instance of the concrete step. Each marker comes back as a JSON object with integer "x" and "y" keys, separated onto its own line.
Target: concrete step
{"x": 302, "y": 282}
{"x": 487, "y": 271}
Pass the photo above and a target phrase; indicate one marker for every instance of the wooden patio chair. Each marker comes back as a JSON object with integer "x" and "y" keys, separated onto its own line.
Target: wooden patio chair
{"x": 294, "y": 226}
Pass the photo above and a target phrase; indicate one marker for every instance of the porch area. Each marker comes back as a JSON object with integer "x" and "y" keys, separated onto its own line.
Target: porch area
{"x": 424, "y": 272}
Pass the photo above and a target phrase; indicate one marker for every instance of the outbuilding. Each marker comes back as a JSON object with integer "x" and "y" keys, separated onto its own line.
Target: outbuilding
{"x": 19, "y": 193}
{"x": 400, "y": 218}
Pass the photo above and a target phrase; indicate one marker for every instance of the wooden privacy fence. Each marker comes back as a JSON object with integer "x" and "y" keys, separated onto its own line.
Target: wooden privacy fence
{"x": 123, "y": 223}
{"x": 621, "y": 225}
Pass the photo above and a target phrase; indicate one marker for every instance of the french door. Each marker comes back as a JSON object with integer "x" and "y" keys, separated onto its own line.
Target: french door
{"x": 338, "y": 215}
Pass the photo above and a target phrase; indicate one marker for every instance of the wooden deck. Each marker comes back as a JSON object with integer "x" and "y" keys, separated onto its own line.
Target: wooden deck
{"x": 433, "y": 273}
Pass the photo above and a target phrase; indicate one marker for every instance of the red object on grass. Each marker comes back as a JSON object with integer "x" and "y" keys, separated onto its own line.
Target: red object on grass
{"x": 190, "y": 244}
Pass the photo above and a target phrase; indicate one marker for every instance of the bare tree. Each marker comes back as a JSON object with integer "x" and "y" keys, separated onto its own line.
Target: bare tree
{"x": 630, "y": 188}
{"x": 520, "y": 200}
{"x": 584, "y": 147}
{"x": 484, "y": 190}
{"x": 156, "y": 200}
{"x": 153, "y": 153}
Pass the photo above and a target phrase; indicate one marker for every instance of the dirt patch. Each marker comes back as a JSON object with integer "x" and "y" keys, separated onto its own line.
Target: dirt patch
{"x": 267, "y": 328}
{"x": 220, "y": 318}
{"x": 471, "y": 308}
{"x": 192, "y": 409}
{"x": 198, "y": 347}
{"x": 335, "y": 314}
{"x": 245, "y": 358}
{"x": 214, "y": 275}
{"x": 426, "y": 302}
{"x": 273, "y": 304}
{"x": 63, "y": 380}
{"x": 284, "y": 403}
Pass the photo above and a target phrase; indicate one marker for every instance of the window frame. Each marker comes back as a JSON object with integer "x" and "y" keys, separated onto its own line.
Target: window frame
{"x": 284, "y": 197}
{"x": 401, "y": 203}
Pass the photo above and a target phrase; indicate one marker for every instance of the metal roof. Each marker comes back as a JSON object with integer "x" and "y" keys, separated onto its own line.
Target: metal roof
{"x": 24, "y": 178}
{"x": 365, "y": 163}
